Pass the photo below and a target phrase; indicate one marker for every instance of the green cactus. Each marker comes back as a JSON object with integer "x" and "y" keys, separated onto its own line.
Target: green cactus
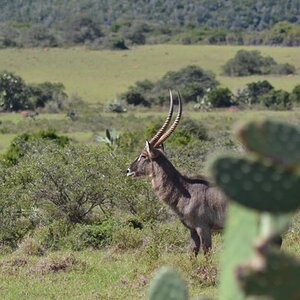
{"x": 270, "y": 273}
{"x": 267, "y": 180}
{"x": 275, "y": 140}
{"x": 168, "y": 285}
{"x": 111, "y": 139}
{"x": 241, "y": 229}
{"x": 257, "y": 184}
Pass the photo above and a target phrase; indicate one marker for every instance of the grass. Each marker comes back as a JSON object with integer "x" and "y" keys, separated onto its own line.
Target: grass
{"x": 5, "y": 140}
{"x": 113, "y": 273}
{"x": 99, "y": 76}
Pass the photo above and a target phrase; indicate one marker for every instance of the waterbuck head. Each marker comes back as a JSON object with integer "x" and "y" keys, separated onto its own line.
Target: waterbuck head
{"x": 153, "y": 151}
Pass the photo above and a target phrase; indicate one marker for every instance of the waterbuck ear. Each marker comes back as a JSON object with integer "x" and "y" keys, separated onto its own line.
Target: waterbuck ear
{"x": 161, "y": 147}
{"x": 149, "y": 150}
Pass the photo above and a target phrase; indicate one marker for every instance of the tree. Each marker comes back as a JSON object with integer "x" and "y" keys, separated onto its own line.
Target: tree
{"x": 295, "y": 94}
{"x": 45, "y": 92}
{"x": 82, "y": 29}
{"x": 14, "y": 94}
{"x": 192, "y": 81}
{"x": 220, "y": 97}
{"x": 247, "y": 63}
{"x": 276, "y": 99}
{"x": 256, "y": 89}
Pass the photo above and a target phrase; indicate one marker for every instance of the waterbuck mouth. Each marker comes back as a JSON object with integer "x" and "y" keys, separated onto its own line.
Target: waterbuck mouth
{"x": 130, "y": 173}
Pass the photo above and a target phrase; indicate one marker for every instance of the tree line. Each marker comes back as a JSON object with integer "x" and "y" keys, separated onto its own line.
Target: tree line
{"x": 115, "y": 24}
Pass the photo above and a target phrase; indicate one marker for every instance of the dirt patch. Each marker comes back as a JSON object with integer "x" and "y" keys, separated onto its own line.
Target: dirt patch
{"x": 13, "y": 265}
{"x": 207, "y": 275}
{"x": 56, "y": 264}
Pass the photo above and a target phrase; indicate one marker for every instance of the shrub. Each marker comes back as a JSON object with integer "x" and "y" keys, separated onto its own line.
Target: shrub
{"x": 14, "y": 94}
{"x": 30, "y": 246}
{"x": 52, "y": 236}
{"x": 247, "y": 63}
{"x": 85, "y": 236}
{"x": 283, "y": 69}
{"x": 295, "y": 94}
{"x": 136, "y": 98}
{"x": 22, "y": 144}
{"x": 191, "y": 81}
{"x": 276, "y": 99}
{"x": 220, "y": 97}
{"x": 127, "y": 237}
{"x": 45, "y": 92}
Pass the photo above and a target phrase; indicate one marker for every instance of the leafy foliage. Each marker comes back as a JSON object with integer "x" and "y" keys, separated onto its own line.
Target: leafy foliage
{"x": 247, "y": 63}
{"x": 277, "y": 100}
{"x": 192, "y": 81}
{"x": 22, "y": 144}
{"x": 16, "y": 95}
{"x": 13, "y": 92}
{"x": 220, "y": 97}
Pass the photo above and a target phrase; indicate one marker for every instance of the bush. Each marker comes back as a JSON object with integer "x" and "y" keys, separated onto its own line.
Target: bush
{"x": 283, "y": 69}
{"x": 52, "y": 236}
{"x": 220, "y": 97}
{"x": 276, "y": 99}
{"x": 21, "y": 144}
{"x": 191, "y": 81}
{"x": 14, "y": 94}
{"x": 46, "y": 92}
{"x": 247, "y": 63}
{"x": 295, "y": 94}
{"x": 136, "y": 98}
{"x": 90, "y": 236}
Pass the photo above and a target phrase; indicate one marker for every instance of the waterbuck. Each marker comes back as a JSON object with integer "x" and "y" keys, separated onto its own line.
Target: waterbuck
{"x": 200, "y": 206}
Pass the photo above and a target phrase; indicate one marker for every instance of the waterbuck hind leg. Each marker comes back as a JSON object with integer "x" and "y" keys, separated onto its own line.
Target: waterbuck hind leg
{"x": 205, "y": 238}
{"x": 195, "y": 241}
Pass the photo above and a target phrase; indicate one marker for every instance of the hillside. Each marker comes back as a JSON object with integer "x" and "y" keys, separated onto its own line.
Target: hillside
{"x": 230, "y": 14}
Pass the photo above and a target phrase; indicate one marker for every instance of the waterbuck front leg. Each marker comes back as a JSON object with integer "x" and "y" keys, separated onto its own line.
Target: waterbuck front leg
{"x": 195, "y": 241}
{"x": 204, "y": 233}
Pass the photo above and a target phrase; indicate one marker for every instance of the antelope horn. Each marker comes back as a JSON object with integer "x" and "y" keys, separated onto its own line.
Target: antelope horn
{"x": 174, "y": 125}
{"x": 165, "y": 125}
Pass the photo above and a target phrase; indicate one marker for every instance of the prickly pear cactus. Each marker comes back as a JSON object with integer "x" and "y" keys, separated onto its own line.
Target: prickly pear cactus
{"x": 275, "y": 140}
{"x": 241, "y": 229}
{"x": 270, "y": 273}
{"x": 168, "y": 285}
{"x": 266, "y": 179}
{"x": 257, "y": 184}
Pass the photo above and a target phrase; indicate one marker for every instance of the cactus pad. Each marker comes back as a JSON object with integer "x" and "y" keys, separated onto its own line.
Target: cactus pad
{"x": 168, "y": 285}
{"x": 276, "y": 140}
{"x": 257, "y": 184}
{"x": 271, "y": 274}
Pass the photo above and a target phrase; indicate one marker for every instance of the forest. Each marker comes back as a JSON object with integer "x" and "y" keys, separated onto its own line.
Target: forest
{"x": 120, "y": 25}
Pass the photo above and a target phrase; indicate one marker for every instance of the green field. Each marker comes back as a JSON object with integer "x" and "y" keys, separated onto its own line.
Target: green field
{"x": 99, "y": 76}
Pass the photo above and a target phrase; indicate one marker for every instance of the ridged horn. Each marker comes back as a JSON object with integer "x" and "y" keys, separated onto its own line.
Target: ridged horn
{"x": 174, "y": 125}
{"x": 166, "y": 124}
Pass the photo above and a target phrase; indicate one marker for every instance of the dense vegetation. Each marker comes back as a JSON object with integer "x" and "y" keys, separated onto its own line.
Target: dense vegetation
{"x": 247, "y": 63}
{"x": 200, "y": 87}
{"x": 116, "y": 25}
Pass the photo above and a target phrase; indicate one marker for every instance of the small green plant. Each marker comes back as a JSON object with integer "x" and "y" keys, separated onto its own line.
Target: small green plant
{"x": 111, "y": 139}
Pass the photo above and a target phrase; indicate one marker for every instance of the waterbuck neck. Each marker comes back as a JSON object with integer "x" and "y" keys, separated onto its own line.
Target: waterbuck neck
{"x": 168, "y": 183}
